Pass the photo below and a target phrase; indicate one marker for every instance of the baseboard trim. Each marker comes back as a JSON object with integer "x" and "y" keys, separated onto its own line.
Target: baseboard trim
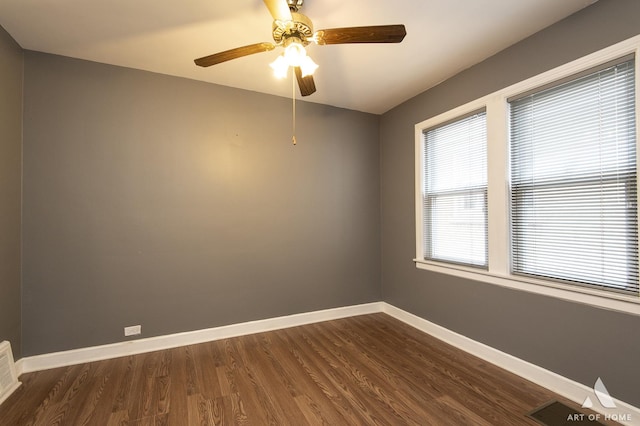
{"x": 568, "y": 388}
{"x": 132, "y": 347}
{"x": 19, "y": 367}
{"x": 624, "y": 413}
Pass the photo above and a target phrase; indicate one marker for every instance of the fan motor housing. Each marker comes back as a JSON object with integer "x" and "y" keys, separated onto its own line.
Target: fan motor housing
{"x": 294, "y": 5}
{"x": 300, "y": 26}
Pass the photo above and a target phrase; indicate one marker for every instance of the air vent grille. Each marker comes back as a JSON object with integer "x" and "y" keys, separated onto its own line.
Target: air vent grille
{"x": 8, "y": 376}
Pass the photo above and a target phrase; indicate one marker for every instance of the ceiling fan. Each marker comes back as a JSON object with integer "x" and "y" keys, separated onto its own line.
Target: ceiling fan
{"x": 293, "y": 31}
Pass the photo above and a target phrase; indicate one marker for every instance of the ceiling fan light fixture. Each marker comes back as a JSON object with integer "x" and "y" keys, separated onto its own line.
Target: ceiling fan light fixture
{"x": 294, "y": 54}
{"x": 292, "y": 31}
{"x": 307, "y": 66}
{"x": 280, "y": 67}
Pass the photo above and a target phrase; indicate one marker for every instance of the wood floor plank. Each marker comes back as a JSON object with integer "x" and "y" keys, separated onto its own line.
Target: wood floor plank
{"x": 344, "y": 378}
{"x": 118, "y": 418}
{"x": 388, "y": 387}
{"x": 124, "y": 386}
{"x": 410, "y": 379}
{"x": 84, "y": 409}
{"x": 269, "y": 385}
{"x": 366, "y": 370}
{"x": 177, "y": 393}
{"x": 199, "y": 411}
{"x": 300, "y": 387}
{"x": 112, "y": 376}
{"x": 70, "y": 396}
{"x": 207, "y": 382}
{"x": 469, "y": 375}
{"x": 40, "y": 385}
{"x": 247, "y": 405}
{"x": 373, "y": 381}
{"x": 308, "y": 370}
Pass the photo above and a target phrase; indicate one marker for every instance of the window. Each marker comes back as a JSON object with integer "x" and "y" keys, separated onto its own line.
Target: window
{"x": 534, "y": 187}
{"x": 573, "y": 180}
{"x": 455, "y": 191}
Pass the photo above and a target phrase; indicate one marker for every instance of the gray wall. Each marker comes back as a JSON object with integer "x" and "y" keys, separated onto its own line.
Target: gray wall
{"x": 11, "y": 65}
{"x": 576, "y": 341}
{"x": 181, "y": 205}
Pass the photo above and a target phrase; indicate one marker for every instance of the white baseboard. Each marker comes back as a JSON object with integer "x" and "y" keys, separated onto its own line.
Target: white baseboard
{"x": 623, "y": 413}
{"x": 114, "y": 350}
{"x": 570, "y": 389}
{"x": 19, "y": 367}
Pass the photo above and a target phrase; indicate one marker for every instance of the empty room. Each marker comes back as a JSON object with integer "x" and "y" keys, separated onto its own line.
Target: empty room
{"x": 296, "y": 212}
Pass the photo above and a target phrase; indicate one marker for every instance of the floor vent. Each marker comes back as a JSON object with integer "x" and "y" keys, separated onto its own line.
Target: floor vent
{"x": 555, "y": 413}
{"x": 8, "y": 376}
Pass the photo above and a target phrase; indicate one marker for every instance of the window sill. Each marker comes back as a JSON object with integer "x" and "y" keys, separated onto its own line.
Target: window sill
{"x": 597, "y": 298}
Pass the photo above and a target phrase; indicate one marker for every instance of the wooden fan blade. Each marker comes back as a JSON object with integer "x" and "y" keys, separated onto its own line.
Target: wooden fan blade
{"x": 279, "y": 9}
{"x": 238, "y": 52}
{"x": 372, "y": 34}
{"x": 306, "y": 84}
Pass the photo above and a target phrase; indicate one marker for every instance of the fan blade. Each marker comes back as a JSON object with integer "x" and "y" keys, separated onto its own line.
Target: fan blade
{"x": 238, "y": 52}
{"x": 279, "y": 9}
{"x": 306, "y": 84}
{"x": 372, "y": 34}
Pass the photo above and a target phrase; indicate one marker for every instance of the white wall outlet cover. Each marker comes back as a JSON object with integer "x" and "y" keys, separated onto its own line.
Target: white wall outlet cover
{"x": 133, "y": 330}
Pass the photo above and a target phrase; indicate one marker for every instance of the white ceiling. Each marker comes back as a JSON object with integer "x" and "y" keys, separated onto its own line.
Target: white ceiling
{"x": 165, "y": 36}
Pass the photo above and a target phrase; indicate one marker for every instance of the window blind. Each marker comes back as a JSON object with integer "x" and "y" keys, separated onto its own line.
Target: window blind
{"x": 455, "y": 191}
{"x": 574, "y": 181}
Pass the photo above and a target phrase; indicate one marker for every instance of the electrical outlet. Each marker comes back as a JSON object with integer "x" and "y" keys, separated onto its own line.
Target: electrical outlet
{"x": 133, "y": 330}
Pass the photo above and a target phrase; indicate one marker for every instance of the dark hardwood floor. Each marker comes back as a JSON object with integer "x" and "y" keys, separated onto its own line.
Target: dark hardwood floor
{"x": 366, "y": 370}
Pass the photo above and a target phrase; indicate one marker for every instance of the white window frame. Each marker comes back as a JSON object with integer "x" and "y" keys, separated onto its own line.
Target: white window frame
{"x": 497, "y": 109}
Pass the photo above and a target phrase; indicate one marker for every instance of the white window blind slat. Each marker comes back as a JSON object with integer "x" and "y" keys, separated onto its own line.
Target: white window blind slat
{"x": 455, "y": 191}
{"x": 574, "y": 181}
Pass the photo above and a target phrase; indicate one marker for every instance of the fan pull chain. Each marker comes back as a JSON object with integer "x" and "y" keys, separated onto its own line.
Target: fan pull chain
{"x": 293, "y": 97}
